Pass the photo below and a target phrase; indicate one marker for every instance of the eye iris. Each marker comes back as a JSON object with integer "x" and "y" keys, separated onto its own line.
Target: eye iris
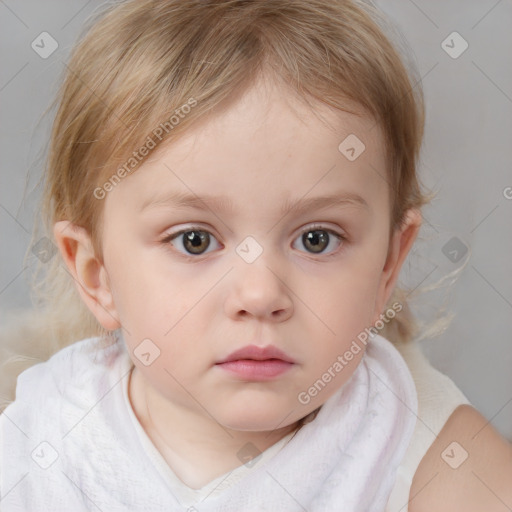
{"x": 193, "y": 240}
{"x": 316, "y": 238}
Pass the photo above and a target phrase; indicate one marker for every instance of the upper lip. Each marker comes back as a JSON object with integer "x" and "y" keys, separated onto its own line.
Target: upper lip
{"x": 258, "y": 354}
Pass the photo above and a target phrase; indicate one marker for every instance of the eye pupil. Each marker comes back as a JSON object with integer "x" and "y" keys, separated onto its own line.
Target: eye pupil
{"x": 317, "y": 240}
{"x": 196, "y": 239}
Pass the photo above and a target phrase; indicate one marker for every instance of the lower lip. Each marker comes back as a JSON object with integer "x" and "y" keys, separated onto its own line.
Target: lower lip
{"x": 256, "y": 370}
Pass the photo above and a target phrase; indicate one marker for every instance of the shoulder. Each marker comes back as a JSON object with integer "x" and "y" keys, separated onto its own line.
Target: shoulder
{"x": 70, "y": 373}
{"x": 68, "y": 361}
{"x": 54, "y": 396}
{"x": 468, "y": 467}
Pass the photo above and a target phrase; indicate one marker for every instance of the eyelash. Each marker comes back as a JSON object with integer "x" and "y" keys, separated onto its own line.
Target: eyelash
{"x": 315, "y": 227}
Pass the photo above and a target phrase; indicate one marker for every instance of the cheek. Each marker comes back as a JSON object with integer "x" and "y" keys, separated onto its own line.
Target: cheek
{"x": 141, "y": 290}
{"x": 158, "y": 303}
{"x": 345, "y": 302}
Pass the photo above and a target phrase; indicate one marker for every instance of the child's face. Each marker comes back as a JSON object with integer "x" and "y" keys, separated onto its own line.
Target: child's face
{"x": 198, "y": 300}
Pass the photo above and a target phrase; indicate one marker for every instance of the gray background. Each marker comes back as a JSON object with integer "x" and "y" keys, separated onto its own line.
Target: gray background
{"x": 466, "y": 157}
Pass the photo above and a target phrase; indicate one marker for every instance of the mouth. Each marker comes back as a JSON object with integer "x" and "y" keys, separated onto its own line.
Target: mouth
{"x": 257, "y": 363}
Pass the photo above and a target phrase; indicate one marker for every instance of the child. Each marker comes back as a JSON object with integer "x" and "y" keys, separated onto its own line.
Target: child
{"x": 232, "y": 188}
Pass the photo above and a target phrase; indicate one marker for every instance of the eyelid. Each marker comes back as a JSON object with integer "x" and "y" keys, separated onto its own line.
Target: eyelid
{"x": 340, "y": 234}
{"x": 168, "y": 239}
{"x": 193, "y": 227}
{"x": 308, "y": 227}
{"x": 342, "y": 238}
{"x": 323, "y": 227}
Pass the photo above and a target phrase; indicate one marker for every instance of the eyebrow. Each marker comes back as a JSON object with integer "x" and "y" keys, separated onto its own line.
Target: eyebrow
{"x": 225, "y": 205}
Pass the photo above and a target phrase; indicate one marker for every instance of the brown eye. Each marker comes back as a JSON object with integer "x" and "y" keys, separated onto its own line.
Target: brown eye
{"x": 196, "y": 242}
{"x": 316, "y": 240}
{"x": 191, "y": 241}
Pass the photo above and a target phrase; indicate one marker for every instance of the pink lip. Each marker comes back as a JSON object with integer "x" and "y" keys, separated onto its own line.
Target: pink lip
{"x": 258, "y": 354}
{"x": 256, "y": 363}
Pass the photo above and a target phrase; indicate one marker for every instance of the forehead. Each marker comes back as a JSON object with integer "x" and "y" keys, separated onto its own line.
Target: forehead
{"x": 267, "y": 148}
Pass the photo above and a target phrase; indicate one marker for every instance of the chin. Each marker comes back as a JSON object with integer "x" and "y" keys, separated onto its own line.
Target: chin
{"x": 256, "y": 419}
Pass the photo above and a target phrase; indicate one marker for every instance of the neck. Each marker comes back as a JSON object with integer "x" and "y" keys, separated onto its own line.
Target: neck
{"x": 196, "y": 447}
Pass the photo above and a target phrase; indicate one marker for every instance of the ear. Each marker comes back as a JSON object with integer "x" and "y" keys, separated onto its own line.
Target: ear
{"x": 400, "y": 244}
{"x": 88, "y": 272}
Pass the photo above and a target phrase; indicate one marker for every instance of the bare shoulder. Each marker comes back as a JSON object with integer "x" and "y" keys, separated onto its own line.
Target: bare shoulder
{"x": 468, "y": 467}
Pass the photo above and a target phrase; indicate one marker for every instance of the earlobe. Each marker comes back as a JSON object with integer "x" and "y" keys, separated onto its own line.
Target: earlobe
{"x": 400, "y": 245}
{"x": 88, "y": 272}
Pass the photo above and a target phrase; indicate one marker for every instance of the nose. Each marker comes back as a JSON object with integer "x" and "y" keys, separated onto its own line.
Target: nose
{"x": 258, "y": 291}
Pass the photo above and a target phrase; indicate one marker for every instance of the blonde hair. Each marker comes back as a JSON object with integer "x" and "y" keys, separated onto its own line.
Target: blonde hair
{"x": 140, "y": 60}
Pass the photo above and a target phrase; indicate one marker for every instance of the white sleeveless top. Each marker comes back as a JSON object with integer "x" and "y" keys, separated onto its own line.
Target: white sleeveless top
{"x": 68, "y": 442}
{"x": 438, "y": 397}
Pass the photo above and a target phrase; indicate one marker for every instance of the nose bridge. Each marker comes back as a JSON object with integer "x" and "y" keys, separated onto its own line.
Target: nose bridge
{"x": 258, "y": 286}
